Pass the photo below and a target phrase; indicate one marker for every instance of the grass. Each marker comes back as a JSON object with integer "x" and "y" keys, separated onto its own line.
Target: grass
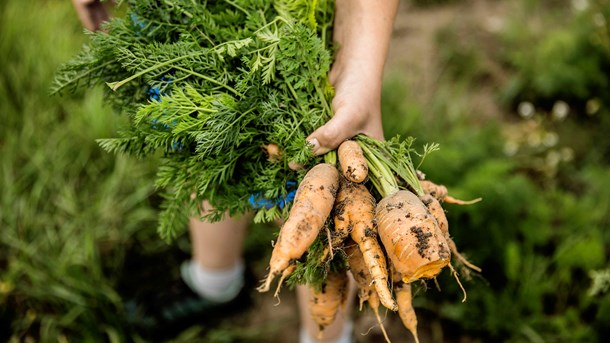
{"x": 68, "y": 210}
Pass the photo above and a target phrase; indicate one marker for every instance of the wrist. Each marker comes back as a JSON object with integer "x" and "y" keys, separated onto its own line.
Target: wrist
{"x": 361, "y": 69}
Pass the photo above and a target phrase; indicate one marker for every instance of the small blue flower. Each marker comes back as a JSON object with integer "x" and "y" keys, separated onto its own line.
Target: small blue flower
{"x": 137, "y": 21}
{"x": 154, "y": 93}
{"x": 177, "y": 145}
{"x": 257, "y": 201}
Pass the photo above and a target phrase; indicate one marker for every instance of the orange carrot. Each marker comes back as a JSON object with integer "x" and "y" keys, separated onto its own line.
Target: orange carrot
{"x": 441, "y": 193}
{"x": 361, "y": 273}
{"x": 405, "y": 307}
{"x": 436, "y": 209}
{"x": 354, "y": 165}
{"x": 437, "y": 191}
{"x": 313, "y": 202}
{"x": 359, "y": 212}
{"x": 412, "y": 238}
{"x": 324, "y": 303}
{"x": 342, "y": 225}
{"x": 273, "y": 151}
{"x": 362, "y": 276}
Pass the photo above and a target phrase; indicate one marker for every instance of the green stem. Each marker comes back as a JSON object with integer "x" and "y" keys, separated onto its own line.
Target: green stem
{"x": 116, "y": 85}
{"x": 379, "y": 172}
{"x": 209, "y": 79}
{"x": 394, "y": 160}
{"x": 296, "y": 98}
{"x": 331, "y": 157}
{"x": 80, "y": 76}
{"x": 232, "y": 3}
{"x": 171, "y": 4}
{"x": 324, "y": 102}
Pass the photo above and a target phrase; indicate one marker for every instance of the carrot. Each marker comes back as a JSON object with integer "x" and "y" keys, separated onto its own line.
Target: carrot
{"x": 273, "y": 151}
{"x": 412, "y": 238}
{"x": 441, "y": 193}
{"x": 405, "y": 307}
{"x": 324, "y": 303}
{"x": 354, "y": 165}
{"x": 436, "y": 209}
{"x": 362, "y": 276}
{"x": 342, "y": 226}
{"x": 437, "y": 191}
{"x": 313, "y": 202}
{"x": 361, "y": 273}
{"x": 359, "y": 212}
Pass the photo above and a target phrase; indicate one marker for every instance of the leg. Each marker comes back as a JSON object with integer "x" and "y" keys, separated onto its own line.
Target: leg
{"x": 213, "y": 282}
{"x": 216, "y": 269}
{"x": 218, "y": 245}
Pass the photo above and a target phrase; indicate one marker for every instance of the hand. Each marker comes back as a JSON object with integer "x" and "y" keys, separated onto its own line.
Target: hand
{"x": 362, "y": 31}
{"x": 356, "y": 107}
{"x": 91, "y": 13}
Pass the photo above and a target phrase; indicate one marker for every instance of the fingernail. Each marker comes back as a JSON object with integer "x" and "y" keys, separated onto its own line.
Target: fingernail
{"x": 314, "y": 144}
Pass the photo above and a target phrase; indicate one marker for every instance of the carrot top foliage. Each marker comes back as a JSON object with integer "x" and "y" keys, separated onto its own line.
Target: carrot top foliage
{"x": 206, "y": 85}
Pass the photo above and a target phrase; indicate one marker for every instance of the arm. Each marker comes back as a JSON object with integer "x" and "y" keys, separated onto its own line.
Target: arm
{"x": 362, "y": 31}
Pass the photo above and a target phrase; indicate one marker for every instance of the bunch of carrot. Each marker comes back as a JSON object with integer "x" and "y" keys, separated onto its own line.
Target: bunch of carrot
{"x": 376, "y": 213}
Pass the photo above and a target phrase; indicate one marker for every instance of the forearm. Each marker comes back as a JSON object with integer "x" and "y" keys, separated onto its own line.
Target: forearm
{"x": 362, "y": 32}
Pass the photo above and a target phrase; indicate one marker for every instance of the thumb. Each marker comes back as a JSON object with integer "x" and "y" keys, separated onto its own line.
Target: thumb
{"x": 329, "y": 136}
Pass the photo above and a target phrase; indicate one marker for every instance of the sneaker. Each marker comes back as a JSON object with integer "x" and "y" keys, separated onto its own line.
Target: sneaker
{"x": 178, "y": 307}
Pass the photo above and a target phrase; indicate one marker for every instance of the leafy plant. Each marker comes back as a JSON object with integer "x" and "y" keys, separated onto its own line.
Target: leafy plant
{"x": 206, "y": 86}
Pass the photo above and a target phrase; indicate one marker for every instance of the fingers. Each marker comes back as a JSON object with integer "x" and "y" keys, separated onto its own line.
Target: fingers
{"x": 330, "y": 135}
{"x": 346, "y": 123}
{"x": 92, "y": 13}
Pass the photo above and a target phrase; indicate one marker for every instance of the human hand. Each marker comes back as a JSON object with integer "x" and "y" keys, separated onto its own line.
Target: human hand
{"x": 362, "y": 32}
{"x": 356, "y": 106}
{"x": 91, "y": 13}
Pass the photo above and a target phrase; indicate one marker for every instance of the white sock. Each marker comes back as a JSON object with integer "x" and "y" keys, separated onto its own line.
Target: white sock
{"x": 345, "y": 337}
{"x": 212, "y": 284}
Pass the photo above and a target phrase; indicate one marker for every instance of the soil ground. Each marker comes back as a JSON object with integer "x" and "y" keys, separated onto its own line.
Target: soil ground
{"x": 414, "y": 51}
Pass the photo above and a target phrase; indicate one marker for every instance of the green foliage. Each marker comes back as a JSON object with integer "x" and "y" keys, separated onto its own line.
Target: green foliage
{"x": 539, "y": 244}
{"x": 540, "y": 234}
{"x": 564, "y": 61}
{"x": 206, "y": 85}
{"x": 544, "y": 212}
{"x": 560, "y": 66}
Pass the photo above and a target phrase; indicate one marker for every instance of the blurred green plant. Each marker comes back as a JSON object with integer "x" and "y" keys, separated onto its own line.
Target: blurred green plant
{"x": 67, "y": 209}
{"x": 564, "y": 55}
{"x": 542, "y": 227}
{"x": 559, "y": 64}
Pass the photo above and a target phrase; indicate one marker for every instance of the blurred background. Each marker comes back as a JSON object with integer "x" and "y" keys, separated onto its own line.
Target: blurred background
{"x": 517, "y": 94}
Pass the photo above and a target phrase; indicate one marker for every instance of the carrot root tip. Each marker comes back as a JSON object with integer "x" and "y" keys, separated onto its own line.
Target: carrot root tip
{"x": 451, "y": 200}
